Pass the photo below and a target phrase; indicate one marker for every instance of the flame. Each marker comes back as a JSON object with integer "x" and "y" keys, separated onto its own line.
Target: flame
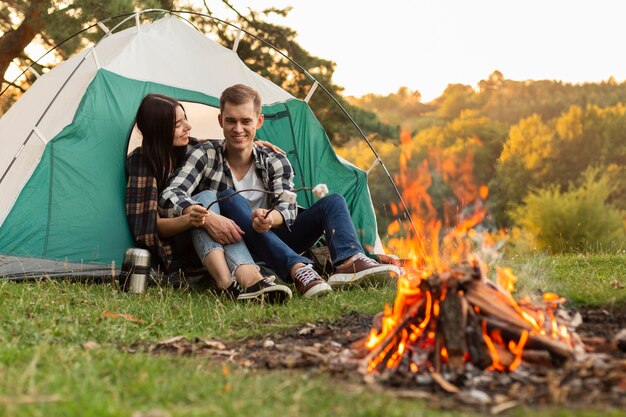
{"x": 517, "y": 349}
{"x": 506, "y": 278}
{"x": 444, "y": 354}
{"x": 483, "y": 191}
{"x": 495, "y": 357}
{"x": 433, "y": 246}
{"x": 393, "y": 228}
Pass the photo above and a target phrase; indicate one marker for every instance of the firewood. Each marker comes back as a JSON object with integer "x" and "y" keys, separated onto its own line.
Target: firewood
{"x": 505, "y": 357}
{"x": 535, "y": 341}
{"x": 437, "y": 359}
{"x": 488, "y": 301}
{"x": 476, "y": 345}
{"x": 393, "y": 336}
{"x": 451, "y": 321}
{"x": 464, "y": 303}
{"x": 448, "y": 387}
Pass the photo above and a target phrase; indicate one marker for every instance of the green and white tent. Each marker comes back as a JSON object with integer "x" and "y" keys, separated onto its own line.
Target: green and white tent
{"x": 64, "y": 145}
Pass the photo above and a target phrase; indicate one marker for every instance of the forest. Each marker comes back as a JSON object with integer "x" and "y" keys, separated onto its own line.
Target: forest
{"x": 553, "y": 156}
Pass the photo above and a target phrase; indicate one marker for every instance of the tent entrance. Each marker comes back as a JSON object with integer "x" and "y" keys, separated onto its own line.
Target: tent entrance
{"x": 203, "y": 120}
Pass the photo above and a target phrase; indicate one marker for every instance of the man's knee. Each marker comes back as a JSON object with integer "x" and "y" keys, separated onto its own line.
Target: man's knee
{"x": 205, "y": 197}
{"x": 226, "y": 193}
{"x": 335, "y": 200}
{"x": 231, "y": 203}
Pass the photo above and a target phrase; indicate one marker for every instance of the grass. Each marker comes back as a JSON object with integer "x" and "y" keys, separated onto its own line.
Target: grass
{"x": 597, "y": 280}
{"x": 61, "y": 355}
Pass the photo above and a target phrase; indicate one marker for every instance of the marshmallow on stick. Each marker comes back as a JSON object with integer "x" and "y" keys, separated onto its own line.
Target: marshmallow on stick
{"x": 320, "y": 191}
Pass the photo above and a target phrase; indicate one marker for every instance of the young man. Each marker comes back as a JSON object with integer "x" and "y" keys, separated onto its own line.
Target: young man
{"x": 248, "y": 179}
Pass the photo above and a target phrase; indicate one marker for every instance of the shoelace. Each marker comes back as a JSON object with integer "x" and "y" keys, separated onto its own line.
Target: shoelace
{"x": 365, "y": 259}
{"x": 235, "y": 288}
{"x": 306, "y": 274}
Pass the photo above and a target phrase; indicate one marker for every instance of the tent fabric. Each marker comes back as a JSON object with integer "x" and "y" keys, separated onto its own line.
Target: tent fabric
{"x": 293, "y": 127}
{"x": 64, "y": 207}
{"x": 17, "y": 268}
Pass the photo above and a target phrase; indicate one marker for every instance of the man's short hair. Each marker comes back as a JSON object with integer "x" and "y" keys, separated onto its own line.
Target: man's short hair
{"x": 240, "y": 94}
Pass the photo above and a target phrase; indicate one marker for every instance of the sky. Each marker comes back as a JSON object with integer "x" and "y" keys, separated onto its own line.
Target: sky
{"x": 379, "y": 46}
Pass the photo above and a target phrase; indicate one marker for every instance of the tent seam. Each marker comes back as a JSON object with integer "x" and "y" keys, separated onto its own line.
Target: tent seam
{"x": 297, "y": 156}
{"x": 45, "y": 245}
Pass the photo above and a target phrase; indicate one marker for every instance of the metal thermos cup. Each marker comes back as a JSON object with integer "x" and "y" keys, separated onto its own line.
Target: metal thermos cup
{"x": 135, "y": 270}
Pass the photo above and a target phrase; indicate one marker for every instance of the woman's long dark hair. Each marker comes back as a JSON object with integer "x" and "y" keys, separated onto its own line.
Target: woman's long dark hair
{"x": 156, "y": 120}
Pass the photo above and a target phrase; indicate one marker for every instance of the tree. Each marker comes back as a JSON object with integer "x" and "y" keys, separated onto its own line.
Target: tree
{"x": 455, "y": 98}
{"x": 22, "y": 21}
{"x": 403, "y": 108}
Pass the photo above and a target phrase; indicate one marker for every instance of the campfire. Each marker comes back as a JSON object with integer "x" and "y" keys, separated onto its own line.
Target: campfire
{"x": 449, "y": 318}
{"x": 445, "y": 320}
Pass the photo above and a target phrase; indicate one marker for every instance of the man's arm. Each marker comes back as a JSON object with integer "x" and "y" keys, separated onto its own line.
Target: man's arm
{"x": 177, "y": 195}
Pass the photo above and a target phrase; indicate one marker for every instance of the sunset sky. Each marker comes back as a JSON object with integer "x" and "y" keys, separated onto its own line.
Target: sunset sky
{"x": 379, "y": 46}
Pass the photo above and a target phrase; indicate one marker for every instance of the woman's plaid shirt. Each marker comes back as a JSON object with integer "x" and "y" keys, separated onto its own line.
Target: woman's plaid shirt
{"x": 141, "y": 209}
{"x": 206, "y": 168}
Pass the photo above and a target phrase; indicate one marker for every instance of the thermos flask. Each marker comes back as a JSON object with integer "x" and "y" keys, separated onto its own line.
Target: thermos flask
{"x": 135, "y": 270}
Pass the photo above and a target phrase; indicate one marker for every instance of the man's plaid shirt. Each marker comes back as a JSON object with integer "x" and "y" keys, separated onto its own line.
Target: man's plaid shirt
{"x": 206, "y": 168}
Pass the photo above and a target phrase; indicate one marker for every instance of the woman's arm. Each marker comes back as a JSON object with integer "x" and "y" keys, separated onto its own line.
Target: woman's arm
{"x": 270, "y": 146}
{"x": 171, "y": 226}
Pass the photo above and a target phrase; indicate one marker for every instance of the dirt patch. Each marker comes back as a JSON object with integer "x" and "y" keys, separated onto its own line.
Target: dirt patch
{"x": 602, "y": 323}
{"x": 597, "y": 378}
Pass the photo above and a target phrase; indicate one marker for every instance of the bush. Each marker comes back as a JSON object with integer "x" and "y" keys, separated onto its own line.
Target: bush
{"x": 578, "y": 220}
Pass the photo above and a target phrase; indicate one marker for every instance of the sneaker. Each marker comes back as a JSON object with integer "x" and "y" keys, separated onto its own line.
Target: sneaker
{"x": 265, "y": 290}
{"x": 309, "y": 284}
{"x": 363, "y": 270}
{"x": 233, "y": 291}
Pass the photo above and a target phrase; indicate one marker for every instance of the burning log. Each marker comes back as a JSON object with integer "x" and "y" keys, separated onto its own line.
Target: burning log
{"x": 391, "y": 341}
{"x": 489, "y": 301}
{"x": 477, "y": 347}
{"x": 535, "y": 341}
{"x": 453, "y": 319}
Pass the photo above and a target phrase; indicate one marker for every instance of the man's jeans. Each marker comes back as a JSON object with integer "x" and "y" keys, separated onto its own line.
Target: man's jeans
{"x": 236, "y": 254}
{"x": 280, "y": 248}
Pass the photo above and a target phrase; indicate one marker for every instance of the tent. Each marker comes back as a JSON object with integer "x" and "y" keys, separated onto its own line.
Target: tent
{"x": 65, "y": 141}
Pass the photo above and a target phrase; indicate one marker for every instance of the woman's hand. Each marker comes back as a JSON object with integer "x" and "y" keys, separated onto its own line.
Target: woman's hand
{"x": 270, "y": 146}
{"x": 195, "y": 215}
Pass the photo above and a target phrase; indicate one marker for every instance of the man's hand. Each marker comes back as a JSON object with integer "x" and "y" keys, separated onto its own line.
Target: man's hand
{"x": 222, "y": 229}
{"x": 260, "y": 223}
{"x": 195, "y": 215}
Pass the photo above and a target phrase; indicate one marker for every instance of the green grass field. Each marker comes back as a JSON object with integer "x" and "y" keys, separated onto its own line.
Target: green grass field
{"x": 60, "y": 355}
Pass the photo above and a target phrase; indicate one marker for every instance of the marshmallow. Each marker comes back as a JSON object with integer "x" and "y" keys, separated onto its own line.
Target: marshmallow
{"x": 320, "y": 190}
{"x": 288, "y": 197}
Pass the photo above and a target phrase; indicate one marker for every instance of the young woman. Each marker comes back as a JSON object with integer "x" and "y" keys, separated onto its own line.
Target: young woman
{"x": 165, "y": 140}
